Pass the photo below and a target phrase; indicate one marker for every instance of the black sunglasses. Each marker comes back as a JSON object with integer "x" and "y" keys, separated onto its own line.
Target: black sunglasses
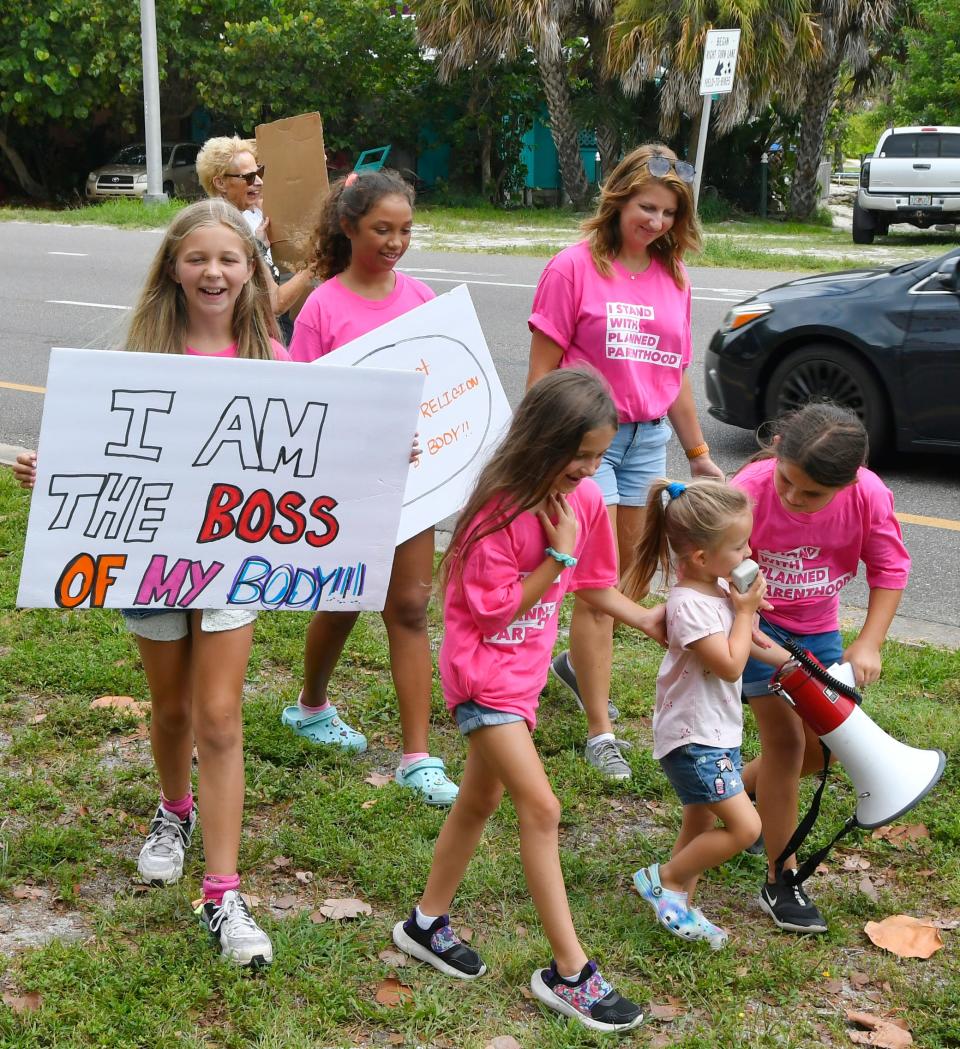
{"x": 659, "y": 165}
{"x": 248, "y": 176}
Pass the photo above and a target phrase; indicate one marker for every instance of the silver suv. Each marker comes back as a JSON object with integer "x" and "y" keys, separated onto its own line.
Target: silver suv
{"x": 126, "y": 174}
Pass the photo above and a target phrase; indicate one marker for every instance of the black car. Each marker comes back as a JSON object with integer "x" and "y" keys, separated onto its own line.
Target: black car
{"x": 884, "y": 342}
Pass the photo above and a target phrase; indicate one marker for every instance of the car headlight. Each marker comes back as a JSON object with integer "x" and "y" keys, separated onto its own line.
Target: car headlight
{"x": 744, "y": 314}
{"x": 141, "y": 178}
{"x": 92, "y": 177}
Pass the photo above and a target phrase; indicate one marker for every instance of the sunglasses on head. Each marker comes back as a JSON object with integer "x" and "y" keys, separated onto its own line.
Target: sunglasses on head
{"x": 659, "y": 165}
{"x": 251, "y": 176}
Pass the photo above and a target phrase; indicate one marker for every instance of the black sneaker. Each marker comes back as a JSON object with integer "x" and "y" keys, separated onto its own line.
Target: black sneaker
{"x": 791, "y": 908}
{"x": 588, "y": 998}
{"x": 560, "y": 665}
{"x": 438, "y": 946}
{"x": 757, "y": 848}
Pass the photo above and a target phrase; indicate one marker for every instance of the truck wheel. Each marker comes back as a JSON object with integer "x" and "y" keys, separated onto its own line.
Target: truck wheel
{"x": 170, "y": 190}
{"x": 863, "y": 225}
{"x": 823, "y": 372}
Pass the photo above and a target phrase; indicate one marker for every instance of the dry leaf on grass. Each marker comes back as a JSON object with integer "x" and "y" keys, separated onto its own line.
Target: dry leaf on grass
{"x": 284, "y": 903}
{"x": 250, "y": 901}
{"x": 466, "y": 934}
{"x": 900, "y": 833}
{"x": 855, "y": 863}
{"x": 378, "y": 779}
{"x": 368, "y": 804}
{"x": 868, "y": 889}
{"x": 125, "y": 703}
{"x": 394, "y": 958}
{"x": 22, "y": 1003}
{"x": 37, "y": 718}
{"x": 317, "y": 918}
{"x": 905, "y": 936}
{"x": 304, "y": 877}
{"x": 885, "y": 1034}
{"x": 669, "y": 1011}
{"x": 833, "y": 986}
{"x": 280, "y": 862}
{"x": 338, "y": 910}
{"x": 503, "y": 1041}
{"x": 392, "y": 992}
{"x": 28, "y": 892}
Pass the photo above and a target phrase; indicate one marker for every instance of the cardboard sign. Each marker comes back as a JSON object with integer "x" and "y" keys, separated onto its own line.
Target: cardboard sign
{"x": 168, "y": 482}
{"x": 463, "y": 411}
{"x": 294, "y": 184}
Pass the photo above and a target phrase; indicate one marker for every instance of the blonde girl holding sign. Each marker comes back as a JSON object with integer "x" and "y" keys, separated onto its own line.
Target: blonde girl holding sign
{"x": 205, "y": 296}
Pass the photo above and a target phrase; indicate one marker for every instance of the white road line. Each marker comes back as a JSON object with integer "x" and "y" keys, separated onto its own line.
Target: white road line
{"x": 463, "y": 273}
{"x": 95, "y": 305}
{"x": 73, "y": 254}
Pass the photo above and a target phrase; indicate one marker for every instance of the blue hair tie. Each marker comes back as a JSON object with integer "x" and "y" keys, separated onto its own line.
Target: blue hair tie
{"x": 676, "y": 488}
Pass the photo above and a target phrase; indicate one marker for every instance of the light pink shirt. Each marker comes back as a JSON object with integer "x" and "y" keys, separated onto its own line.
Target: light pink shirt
{"x": 333, "y": 315}
{"x": 633, "y": 328}
{"x": 809, "y": 558}
{"x": 490, "y": 654}
{"x": 693, "y": 704}
{"x": 279, "y": 353}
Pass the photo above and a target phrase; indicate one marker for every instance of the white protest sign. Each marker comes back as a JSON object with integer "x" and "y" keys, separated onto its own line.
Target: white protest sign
{"x": 169, "y": 482}
{"x": 463, "y": 410}
{"x": 719, "y": 61}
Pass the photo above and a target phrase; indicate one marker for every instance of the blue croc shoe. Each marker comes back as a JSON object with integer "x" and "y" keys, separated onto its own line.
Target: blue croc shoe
{"x": 670, "y": 906}
{"x": 324, "y": 728}
{"x": 429, "y": 778}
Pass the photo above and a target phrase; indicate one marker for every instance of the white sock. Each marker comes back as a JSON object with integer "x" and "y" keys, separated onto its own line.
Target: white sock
{"x": 424, "y": 921}
{"x": 571, "y": 979}
{"x": 601, "y": 736}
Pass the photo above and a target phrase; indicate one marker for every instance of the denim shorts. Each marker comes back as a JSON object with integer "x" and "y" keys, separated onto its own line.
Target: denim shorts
{"x": 827, "y": 647}
{"x": 703, "y": 775}
{"x": 156, "y": 625}
{"x": 471, "y": 716}
{"x": 637, "y": 456}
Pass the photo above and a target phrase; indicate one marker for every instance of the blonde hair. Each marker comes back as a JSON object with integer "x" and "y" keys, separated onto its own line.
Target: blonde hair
{"x": 159, "y": 323}
{"x": 629, "y": 177}
{"x": 217, "y": 155}
{"x": 677, "y": 522}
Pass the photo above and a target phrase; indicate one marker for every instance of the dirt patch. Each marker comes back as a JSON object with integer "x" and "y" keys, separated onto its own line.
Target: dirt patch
{"x": 33, "y": 923}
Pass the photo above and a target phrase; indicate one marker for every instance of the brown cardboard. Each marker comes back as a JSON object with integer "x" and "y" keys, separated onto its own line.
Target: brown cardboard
{"x": 294, "y": 184}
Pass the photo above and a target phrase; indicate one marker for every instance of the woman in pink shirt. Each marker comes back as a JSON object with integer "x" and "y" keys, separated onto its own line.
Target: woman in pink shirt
{"x": 534, "y": 528}
{"x": 817, "y": 513}
{"x": 620, "y": 302}
{"x": 364, "y": 230}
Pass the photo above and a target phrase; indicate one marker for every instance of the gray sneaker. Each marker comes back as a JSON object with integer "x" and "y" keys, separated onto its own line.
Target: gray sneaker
{"x": 161, "y": 859}
{"x": 607, "y": 758}
{"x": 560, "y": 665}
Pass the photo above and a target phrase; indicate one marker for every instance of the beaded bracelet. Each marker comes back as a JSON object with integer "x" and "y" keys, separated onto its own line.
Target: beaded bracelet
{"x": 567, "y": 560}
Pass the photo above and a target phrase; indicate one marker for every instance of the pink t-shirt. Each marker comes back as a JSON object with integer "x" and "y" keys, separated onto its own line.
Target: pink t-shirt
{"x": 693, "y": 704}
{"x": 333, "y": 315}
{"x": 490, "y": 654}
{"x": 279, "y": 353}
{"x": 809, "y": 558}
{"x": 633, "y": 328}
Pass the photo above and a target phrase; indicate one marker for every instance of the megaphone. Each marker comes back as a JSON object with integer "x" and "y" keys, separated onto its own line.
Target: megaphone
{"x": 890, "y": 778}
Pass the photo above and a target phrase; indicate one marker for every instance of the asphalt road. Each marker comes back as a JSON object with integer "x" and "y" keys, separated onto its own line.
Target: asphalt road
{"x": 72, "y": 286}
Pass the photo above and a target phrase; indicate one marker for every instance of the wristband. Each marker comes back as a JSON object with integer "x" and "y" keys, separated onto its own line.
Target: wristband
{"x": 698, "y": 450}
{"x": 567, "y": 560}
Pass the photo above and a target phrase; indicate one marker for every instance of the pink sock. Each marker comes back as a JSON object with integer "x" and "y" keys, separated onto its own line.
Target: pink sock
{"x": 180, "y": 808}
{"x": 215, "y": 885}
{"x": 409, "y": 759}
{"x": 310, "y": 711}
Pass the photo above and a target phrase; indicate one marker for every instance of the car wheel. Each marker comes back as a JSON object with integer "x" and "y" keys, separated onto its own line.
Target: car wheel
{"x": 170, "y": 190}
{"x": 821, "y": 372}
{"x": 864, "y": 225}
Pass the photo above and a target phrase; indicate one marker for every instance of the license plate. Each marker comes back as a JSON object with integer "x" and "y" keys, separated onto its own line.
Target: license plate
{"x": 920, "y": 201}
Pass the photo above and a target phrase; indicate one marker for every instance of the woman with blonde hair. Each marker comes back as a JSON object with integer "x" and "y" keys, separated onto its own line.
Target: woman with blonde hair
{"x": 619, "y": 301}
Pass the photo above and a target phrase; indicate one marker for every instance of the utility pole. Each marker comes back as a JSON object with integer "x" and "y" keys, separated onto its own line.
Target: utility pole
{"x": 151, "y": 102}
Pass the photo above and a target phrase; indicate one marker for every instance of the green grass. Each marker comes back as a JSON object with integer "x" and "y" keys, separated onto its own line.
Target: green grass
{"x": 125, "y": 214}
{"x": 78, "y": 789}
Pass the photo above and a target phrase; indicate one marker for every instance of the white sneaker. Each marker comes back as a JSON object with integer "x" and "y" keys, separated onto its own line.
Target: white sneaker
{"x": 161, "y": 858}
{"x": 232, "y": 926}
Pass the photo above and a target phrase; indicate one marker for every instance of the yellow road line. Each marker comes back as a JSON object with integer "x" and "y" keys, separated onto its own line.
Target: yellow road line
{"x": 929, "y": 522}
{"x": 20, "y": 386}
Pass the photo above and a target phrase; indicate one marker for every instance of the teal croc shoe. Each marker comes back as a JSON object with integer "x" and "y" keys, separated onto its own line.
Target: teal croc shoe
{"x": 670, "y": 907}
{"x": 429, "y": 778}
{"x": 324, "y": 728}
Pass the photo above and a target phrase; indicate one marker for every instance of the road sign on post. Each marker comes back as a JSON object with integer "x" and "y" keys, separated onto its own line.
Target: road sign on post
{"x": 716, "y": 78}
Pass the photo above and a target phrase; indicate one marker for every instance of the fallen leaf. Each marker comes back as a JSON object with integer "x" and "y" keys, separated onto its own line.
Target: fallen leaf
{"x": 378, "y": 779}
{"x": 304, "y": 877}
{"x": 503, "y": 1041}
{"x": 855, "y": 863}
{"x": 284, "y": 903}
{"x": 926, "y": 873}
{"x": 125, "y": 703}
{"x": 22, "y": 1003}
{"x": 833, "y": 986}
{"x": 392, "y": 992}
{"x": 466, "y": 934}
{"x": 665, "y": 1012}
{"x": 521, "y": 932}
{"x": 317, "y": 918}
{"x": 860, "y": 980}
{"x": 526, "y": 992}
{"x": 885, "y": 1034}
{"x": 28, "y": 892}
{"x": 279, "y": 862}
{"x": 900, "y": 833}
{"x": 368, "y": 804}
{"x": 868, "y": 889}
{"x": 394, "y": 958}
{"x": 250, "y": 901}
{"x": 822, "y": 868}
{"x": 395, "y": 1039}
{"x": 905, "y": 936}
{"x": 338, "y": 910}
{"x": 37, "y": 718}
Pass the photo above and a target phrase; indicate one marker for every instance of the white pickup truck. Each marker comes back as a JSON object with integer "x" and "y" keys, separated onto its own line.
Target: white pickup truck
{"x": 912, "y": 176}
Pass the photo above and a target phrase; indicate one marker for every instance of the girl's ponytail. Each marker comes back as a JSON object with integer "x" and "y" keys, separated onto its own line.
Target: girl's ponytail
{"x": 652, "y": 550}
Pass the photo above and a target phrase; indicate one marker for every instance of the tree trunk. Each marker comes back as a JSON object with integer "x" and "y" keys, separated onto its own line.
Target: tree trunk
{"x": 820, "y": 92}
{"x": 608, "y": 143}
{"x": 27, "y": 182}
{"x": 553, "y": 75}
{"x": 486, "y": 160}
